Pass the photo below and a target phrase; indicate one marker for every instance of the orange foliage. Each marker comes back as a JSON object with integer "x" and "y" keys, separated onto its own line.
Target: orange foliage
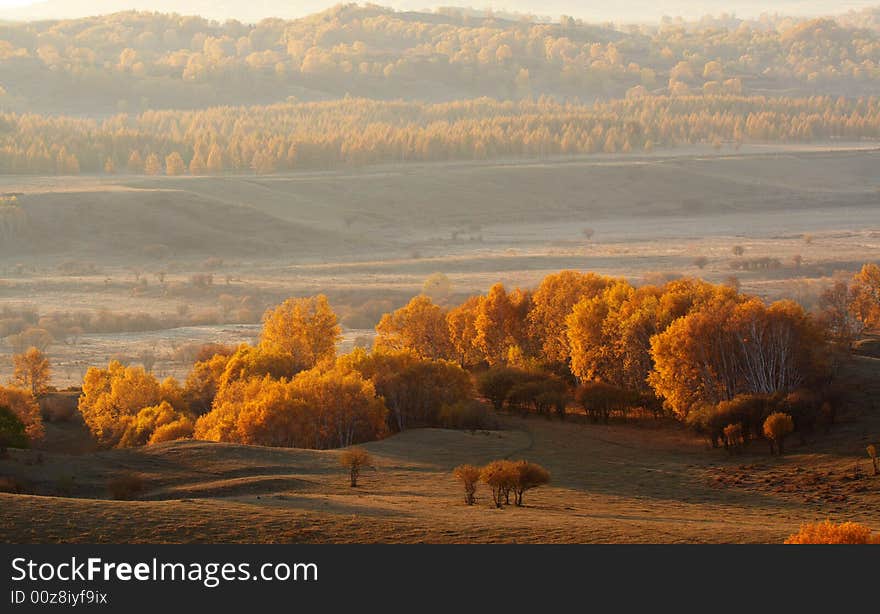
{"x": 828, "y": 532}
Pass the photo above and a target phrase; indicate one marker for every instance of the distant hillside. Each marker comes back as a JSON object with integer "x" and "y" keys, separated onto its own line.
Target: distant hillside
{"x": 132, "y": 61}
{"x": 255, "y": 10}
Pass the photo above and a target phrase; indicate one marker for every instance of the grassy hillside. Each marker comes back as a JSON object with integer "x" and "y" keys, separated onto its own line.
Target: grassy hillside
{"x": 640, "y": 482}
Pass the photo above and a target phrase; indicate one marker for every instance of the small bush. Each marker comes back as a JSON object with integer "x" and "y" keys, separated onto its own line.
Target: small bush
{"x": 733, "y": 438}
{"x": 500, "y": 476}
{"x": 468, "y": 475}
{"x": 528, "y": 476}
{"x": 355, "y": 459}
{"x": 126, "y": 487}
{"x": 776, "y": 427}
{"x": 13, "y": 433}
{"x": 829, "y": 533}
{"x": 467, "y": 415}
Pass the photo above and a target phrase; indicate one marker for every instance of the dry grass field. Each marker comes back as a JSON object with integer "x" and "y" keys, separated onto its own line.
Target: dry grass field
{"x": 643, "y": 481}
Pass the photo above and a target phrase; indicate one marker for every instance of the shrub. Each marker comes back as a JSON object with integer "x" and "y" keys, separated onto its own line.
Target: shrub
{"x": 126, "y": 487}
{"x": 355, "y": 459}
{"x": 12, "y": 431}
{"x": 829, "y": 533}
{"x": 496, "y": 383}
{"x": 776, "y": 427}
{"x": 500, "y": 476}
{"x": 526, "y": 477}
{"x": 599, "y": 399}
{"x": 468, "y": 475}
{"x": 467, "y": 415}
{"x": 872, "y": 453}
{"x": 733, "y": 438}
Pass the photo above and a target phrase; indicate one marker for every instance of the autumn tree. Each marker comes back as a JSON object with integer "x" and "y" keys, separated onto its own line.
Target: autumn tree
{"x": 527, "y": 476}
{"x": 500, "y": 476}
{"x": 839, "y": 313}
{"x": 26, "y": 410}
{"x": 496, "y": 383}
{"x": 135, "y": 162}
{"x": 420, "y": 326}
{"x": 304, "y": 328}
{"x": 31, "y": 371}
{"x": 461, "y": 324}
{"x": 600, "y": 400}
{"x": 734, "y": 346}
{"x": 12, "y": 431}
{"x": 155, "y": 424}
{"x": 355, "y": 460}
{"x": 500, "y": 323}
{"x": 203, "y": 382}
{"x": 174, "y": 164}
{"x": 414, "y": 389}
{"x": 316, "y": 409}
{"x": 865, "y": 302}
{"x": 777, "y": 426}
{"x": 153, "y": 165}
{"x": 469, "y": 476}
{"x": 113, "y": 398}
{"x": 552, "y": 302}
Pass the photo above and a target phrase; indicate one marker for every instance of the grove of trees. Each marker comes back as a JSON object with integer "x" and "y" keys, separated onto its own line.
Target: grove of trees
{"x": 358, "y": 131}
{"x": 727, "y": 364}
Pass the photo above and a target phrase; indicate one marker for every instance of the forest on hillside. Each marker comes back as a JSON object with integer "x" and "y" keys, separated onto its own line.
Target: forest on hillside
{"x": 353, "y": 132}
{"x": 131, "y": 62}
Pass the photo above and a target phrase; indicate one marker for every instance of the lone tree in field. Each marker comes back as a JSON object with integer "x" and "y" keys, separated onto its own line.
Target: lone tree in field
{"x": 500, "y": 476}
{"x": 32, "y": 371}
{"x": 872, "y": 452}
{"x": 469, "y": 476}
{"x": 355, "y": 459}
{"x": 12, "y": 431}
{"x": 528, "y": 476}
{"x": 776, "y": 427}
{"x": 738, "y": 250}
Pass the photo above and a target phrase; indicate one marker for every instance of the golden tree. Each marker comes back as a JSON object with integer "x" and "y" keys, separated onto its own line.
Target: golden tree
{"x": 865, "y": 303}
{"x": 304, "y": 328}
{"x": 31, "y": 371}
{"x": 468, "y": 475}
{"x": 776, "y": 428}
{"x": 420, "y": 327}
{"x": 174, "y": 164}
{"x": 26, "y": 409}
{"x": 153, "y": 165}
{"x": 552, "y": 301}
{"x": 112, "y": 399}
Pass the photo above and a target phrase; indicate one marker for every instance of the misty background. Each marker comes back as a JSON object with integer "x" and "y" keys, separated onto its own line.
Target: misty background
{"x": 255, "y": 10}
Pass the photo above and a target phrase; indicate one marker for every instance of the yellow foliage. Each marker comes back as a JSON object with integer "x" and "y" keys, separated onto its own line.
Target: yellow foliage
{"x": 306, "y": 329}
{"x": 25, "y": 407}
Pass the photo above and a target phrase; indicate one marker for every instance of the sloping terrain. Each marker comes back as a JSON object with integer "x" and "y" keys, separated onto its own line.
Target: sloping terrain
{"x": 640, "y": 482}
{"x": 389, "y": 211}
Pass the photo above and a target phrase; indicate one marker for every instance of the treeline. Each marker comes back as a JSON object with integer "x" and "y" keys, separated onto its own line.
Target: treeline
{"x": 729, "y": 365}
{"x": 354, "y": 132}
{"x": 135, "y": 61}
